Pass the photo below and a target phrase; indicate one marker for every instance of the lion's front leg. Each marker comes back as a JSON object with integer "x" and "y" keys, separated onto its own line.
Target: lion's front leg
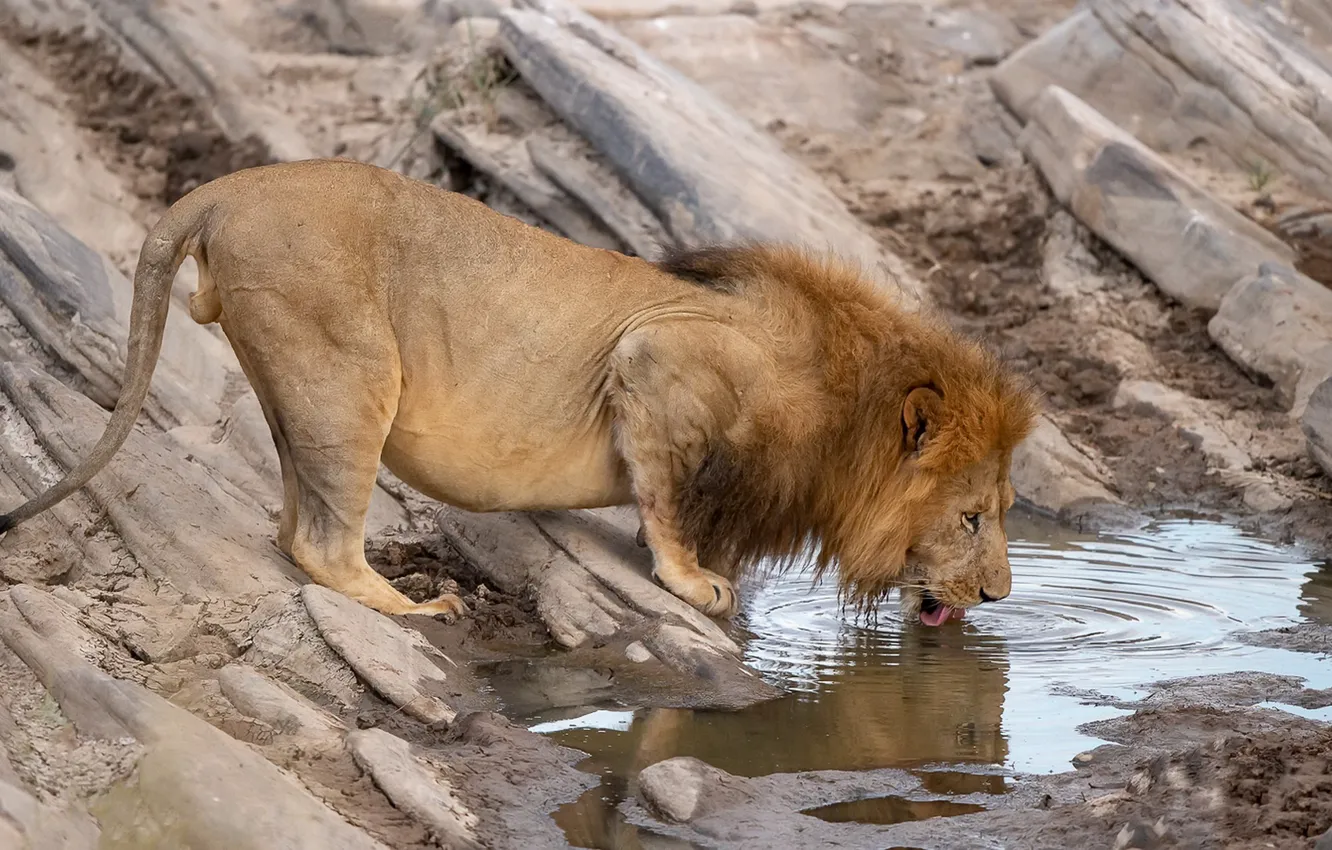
{"x": 669, "y": 396}
{"x": 676, "y": 564}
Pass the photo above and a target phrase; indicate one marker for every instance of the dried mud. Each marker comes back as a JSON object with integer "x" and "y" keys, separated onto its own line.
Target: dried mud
{"x": 162, "y": 140}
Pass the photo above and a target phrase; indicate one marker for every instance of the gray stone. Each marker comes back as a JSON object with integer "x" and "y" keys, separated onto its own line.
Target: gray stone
{"x": 184, "y": 527}
{"x": 261, "y": 698}
{"x": 591, "y": 584}
{"x": 398, "y": 663}
{"x": 28, "y": 824}
{"x": 1174, "y": 72}
{"x": 682, "y": 789}
{"x": 1201, "y": 428}
{"x": 707, "y": 173}
{"x": 1317, "y": 425}
{"x": 1277, "y": 324}
{"x": 47, "y": 275}
{"x": 1191, "y": 245}
{"x": 194, "y": 785}
{"x": 425, "y": 794}
{"x": 1054, "y": 476}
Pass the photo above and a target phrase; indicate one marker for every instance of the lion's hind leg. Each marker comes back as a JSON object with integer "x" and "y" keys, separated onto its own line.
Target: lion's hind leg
{"x": 331, "y": 415}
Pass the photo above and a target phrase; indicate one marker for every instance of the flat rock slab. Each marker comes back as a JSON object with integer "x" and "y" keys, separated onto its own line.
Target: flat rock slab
{"x": 1174, "y": 71}
{"x": 1054, "y": 476}
{"x": 47, "y": 277}
{"x": 420, "y": 792}
{"x": 183, "y": 526}
{"x": 1317, "y": 425}
{"x": 1194, "y": 247}
{"x": 261, "y": 698}
{"x": 591, "y": 585}
{"x": 194, "y": 786}
{"x": 399, "y": 664}
{"x": 708, "y": 174}
{"x": 1277, "y": 324}
{"x": 737, "y": 58}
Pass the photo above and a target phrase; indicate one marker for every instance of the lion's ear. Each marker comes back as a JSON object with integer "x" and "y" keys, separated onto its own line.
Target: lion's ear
{"x": 920, "y": 415}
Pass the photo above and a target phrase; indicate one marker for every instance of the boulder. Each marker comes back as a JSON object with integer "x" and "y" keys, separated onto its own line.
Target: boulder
{"x": 1172, "y": 72}
{"x": 1317, "y": 425}
{"x": 1193, "y": 246}
{"x": 708, "y": 174}
{"x": 194, "y": 786}
{"x": 591, "y": 585}
{"x": 1054, "y": 476}
{"x": 1277, "y": 325}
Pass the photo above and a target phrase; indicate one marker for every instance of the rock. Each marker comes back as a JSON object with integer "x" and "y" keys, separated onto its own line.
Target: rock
{"x": 578, "y": 170}
{"x": 708, "y": 174}
{"x": 980, "y": 37}
{"x": 261, "y": 698}
{"x": 424, "y": 794}
{"x": 591, "y": 584}
{"x": 28, "y": 824}
{"x": 194, "y": 785}
{"x": 1053, "y": 476}
{"x": 505, "y": 159}
{"x": 55, "y": 165}
{"x": 1191, "y": 245}
{"x": 287, "y": 646}
{"x": 399, "y": 664}
{"x": 1277, "y": 324}
{"x": 1309, "y": 232}
{"x": 637, "y": 653}
{"x": 46, "y": 276}
{"x": 1205, "y": 430}
{"x": 1140, "y": 835}
{"x": 683, "y": 789}
{"x": 185, "y": 528}
{"x": 1317, "y": 425}
{"x": 1176, "y": 71}
{"x": 1324, "y": 842}
{"x": 766, "y": 73}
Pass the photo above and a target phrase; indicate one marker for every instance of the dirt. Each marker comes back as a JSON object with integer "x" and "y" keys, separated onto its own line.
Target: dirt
{"x": 160, "y": 139}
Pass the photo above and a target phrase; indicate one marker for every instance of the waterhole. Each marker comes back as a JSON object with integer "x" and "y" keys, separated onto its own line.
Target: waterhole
{"x": 1104, "y": 614}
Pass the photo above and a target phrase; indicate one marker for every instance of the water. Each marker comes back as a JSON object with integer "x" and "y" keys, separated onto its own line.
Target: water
{"x": 1087, "y": 614}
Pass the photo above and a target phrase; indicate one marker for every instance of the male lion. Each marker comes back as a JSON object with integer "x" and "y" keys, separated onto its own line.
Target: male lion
{"x": 751, "y": 400}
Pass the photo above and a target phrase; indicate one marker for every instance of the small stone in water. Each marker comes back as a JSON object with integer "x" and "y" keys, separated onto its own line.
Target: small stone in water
{"x": 637, "y": 653}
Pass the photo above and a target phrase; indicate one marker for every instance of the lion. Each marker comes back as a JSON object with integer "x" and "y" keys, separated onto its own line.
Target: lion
{"x": 754, "y": 401}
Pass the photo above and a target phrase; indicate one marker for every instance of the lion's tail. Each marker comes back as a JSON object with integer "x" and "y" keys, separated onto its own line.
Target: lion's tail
{"x": 163, "y": 251}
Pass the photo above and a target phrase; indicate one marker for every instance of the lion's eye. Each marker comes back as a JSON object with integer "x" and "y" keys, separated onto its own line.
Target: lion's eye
{"x": 972, "y": 522}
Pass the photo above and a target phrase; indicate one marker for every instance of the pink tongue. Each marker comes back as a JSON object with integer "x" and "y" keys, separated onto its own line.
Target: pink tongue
{"x": 937, "y": 617}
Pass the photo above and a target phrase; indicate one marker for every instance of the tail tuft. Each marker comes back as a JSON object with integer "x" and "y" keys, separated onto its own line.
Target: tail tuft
{"x": 6, "y": 523}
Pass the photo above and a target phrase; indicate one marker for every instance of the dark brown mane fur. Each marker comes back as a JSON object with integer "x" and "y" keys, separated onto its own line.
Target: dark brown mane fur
{"x": 826, "y": 461}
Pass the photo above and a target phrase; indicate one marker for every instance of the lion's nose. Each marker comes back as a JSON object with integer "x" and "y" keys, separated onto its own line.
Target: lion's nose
{"x": 985, "y": 597}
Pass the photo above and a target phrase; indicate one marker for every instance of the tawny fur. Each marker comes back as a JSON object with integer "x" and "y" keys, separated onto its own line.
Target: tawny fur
{"x": 826, "y": 461}
{"x": 751, "y": 400}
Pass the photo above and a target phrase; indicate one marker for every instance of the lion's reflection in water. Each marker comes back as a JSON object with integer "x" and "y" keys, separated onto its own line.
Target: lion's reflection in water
{"x": 867, "y": 698}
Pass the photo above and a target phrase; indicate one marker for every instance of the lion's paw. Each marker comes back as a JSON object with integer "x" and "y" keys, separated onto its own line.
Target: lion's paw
{"x": 447, "y": 608}
{"x": 705, "y": 590}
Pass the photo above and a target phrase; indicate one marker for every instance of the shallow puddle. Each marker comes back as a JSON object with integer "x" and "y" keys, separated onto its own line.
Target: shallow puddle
{"x": 1088, "y": 614}
{"x": 890, "y": 810}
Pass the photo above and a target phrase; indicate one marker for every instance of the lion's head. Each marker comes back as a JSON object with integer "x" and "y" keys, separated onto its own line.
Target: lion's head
{"x": 884, "y": 441}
